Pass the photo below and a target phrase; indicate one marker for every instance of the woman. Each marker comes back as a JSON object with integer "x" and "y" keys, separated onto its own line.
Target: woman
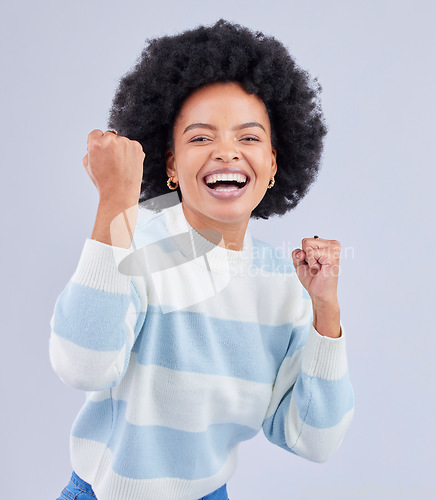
{"x": 188, "y": 334}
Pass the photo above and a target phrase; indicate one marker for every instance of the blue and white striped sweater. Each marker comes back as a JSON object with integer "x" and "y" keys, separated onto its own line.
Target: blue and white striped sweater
{"x": 186, "y": 349}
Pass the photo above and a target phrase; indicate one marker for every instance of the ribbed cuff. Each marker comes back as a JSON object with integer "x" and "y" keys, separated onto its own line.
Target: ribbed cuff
{"x": 325, "y": 357}
{"x": 98, "y": 267}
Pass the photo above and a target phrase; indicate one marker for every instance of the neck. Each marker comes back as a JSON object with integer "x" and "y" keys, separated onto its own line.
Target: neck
{"x": 232, "y": 232}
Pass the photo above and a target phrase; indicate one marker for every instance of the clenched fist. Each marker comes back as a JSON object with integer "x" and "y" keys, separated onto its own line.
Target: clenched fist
{"x": 317, "y": 267}
{"x": 115, "y": 165}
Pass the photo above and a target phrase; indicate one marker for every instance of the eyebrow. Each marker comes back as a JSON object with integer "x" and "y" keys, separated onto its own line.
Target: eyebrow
{"x": 212, "y": 127}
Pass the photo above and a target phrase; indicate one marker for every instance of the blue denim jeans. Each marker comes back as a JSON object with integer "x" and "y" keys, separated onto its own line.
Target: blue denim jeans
{"x": 78, "y": 489}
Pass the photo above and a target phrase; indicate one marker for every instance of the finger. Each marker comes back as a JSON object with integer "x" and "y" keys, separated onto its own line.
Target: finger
{"x": 298, "y": 256}
{"x": 139, "y": 146}
{"x": 313, "y": 243}
{"x": 319, "y": 243}
{"x": 330, "y": 258}
{"x": 312, "y": 257}
{"x": 313, "y": 248}
{"x": 300, "y": 263}
{"x": 323, "y": 256}
{"x": 308, "y": 245}
{"x": 95, "y": 134}
{"x": 111, "y": 135}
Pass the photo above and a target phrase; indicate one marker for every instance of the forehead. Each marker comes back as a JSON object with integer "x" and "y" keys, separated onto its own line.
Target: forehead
{"x": 216, "y": 102}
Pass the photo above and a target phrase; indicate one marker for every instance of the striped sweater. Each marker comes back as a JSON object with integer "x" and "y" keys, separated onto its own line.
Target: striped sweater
{"x": 185, "y": 349}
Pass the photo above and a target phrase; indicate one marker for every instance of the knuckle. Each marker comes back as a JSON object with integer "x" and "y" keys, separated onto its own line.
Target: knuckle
{"x": 123, "y": 141}
{"x": 138, "y": 146}
{"x": 95, "y": 133}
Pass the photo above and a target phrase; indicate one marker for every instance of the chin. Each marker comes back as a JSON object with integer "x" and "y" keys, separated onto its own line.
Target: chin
{"x": 229, "y": 214}
{"x": 226, "y": 212}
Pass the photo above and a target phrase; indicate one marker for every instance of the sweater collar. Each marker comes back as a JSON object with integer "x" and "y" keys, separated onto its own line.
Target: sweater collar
{"x": 196, "y": 246}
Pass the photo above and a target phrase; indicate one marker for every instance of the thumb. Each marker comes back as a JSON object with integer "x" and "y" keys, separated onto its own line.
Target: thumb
{"x": 298, "y": 257}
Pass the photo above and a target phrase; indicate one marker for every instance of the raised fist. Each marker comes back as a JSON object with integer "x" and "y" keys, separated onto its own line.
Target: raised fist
{"x": 114, "y": 164}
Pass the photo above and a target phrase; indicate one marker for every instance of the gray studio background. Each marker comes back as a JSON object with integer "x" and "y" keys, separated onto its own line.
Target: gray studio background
{"x": 60, "y": 64}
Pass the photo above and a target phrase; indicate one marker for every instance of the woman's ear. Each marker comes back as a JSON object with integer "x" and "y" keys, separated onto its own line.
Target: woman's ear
{"x": 170, "y": 162}
{"x": 274, "y": 162}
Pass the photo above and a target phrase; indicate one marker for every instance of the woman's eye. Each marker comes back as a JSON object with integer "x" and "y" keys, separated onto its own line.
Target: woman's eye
{"x": 199, "y": 139}
{"x": 250, "y": 139}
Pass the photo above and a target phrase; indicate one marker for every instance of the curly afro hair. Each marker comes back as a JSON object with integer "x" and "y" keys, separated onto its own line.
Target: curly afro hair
{"x": 149, "y": 97}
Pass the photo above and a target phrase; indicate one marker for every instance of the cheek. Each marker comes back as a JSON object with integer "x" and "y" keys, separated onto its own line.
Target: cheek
{"x": 260, "y": 161}
{"x": 190, "y": 161}
{"x": 186, "y": 165}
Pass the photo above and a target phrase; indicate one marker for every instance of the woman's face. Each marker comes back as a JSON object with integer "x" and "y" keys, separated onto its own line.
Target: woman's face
{"x": 222, "y": 157}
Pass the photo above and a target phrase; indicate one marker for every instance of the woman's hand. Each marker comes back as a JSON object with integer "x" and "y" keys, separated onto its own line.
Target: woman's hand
{"x": 115, "y": 165}
{"x": 317, "y": 267}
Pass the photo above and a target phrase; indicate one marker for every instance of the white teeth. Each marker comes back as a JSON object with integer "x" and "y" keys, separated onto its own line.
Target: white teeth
{"x": 210, "y": 179}
{"x": 231, "y": 188}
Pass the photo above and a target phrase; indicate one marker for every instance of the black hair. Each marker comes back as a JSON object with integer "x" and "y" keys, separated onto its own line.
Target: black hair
{"x": 170, "y": 68}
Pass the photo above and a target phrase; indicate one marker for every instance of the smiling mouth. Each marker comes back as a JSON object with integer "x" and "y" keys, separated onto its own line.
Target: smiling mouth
{"x": 226, "y": 185}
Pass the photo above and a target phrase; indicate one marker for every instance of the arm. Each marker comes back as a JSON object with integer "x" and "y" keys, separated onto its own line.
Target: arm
{"x": 312, "y": 402}
{"x": 99, "y": 314}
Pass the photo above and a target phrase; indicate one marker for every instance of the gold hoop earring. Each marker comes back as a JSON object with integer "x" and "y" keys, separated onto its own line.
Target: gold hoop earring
{"x": 170, "y": 182}
{"x": 271, "y": 183}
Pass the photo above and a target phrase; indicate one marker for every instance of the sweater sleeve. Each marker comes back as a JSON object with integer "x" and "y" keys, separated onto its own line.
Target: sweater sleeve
{"x": 96, "y": 320}
{"x": 312, "y": 402}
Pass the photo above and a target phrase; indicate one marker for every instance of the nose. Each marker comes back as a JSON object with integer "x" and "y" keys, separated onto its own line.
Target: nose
{"x": 227, "y": 151}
